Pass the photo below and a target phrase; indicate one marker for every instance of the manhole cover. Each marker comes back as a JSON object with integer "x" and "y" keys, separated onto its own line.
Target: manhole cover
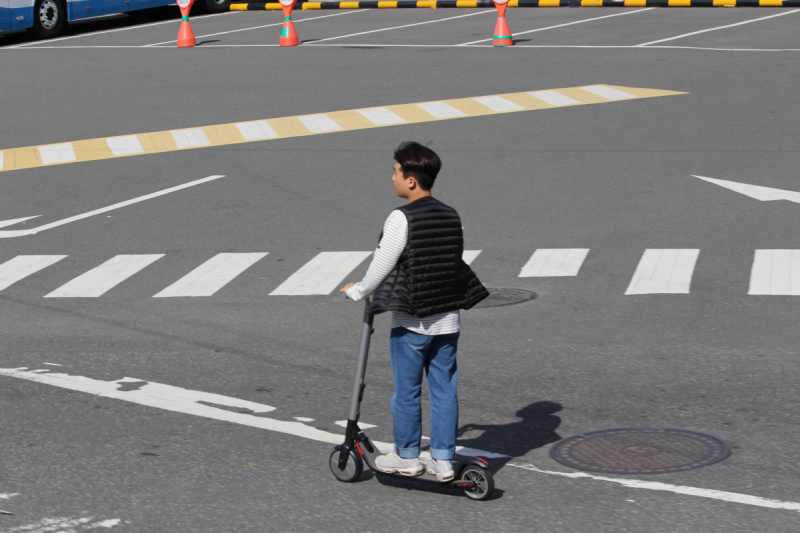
{"x": 640, "y": 451}
{"x": 501, "y": 297}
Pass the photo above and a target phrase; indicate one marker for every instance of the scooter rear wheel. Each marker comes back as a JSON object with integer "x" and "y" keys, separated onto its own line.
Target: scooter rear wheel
{"x": 483, "y": 479}
{"x": 353, "y": 468}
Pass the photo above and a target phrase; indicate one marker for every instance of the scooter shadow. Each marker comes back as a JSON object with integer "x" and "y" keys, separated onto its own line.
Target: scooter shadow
{"x": 433, "y": 488}
{"x": 516, "y": 439}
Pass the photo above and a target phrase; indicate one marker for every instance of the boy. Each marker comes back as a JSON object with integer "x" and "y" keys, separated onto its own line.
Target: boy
{"x": 418, "y": 274}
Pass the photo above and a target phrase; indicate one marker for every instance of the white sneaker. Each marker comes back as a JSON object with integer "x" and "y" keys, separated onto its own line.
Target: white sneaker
{"x": 442, "y": 469}
{"x": 391, "y": 463}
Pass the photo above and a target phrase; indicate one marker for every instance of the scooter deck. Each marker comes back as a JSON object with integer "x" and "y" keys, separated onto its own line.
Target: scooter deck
{"x": 371, "y": 452}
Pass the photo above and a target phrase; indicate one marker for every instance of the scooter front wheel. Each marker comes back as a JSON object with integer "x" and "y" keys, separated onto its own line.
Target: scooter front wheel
{"x": 483, "y": 482}
{"x": 353, "y": 468}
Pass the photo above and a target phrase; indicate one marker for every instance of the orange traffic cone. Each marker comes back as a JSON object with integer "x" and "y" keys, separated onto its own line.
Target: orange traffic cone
{"x": 502, "y": 33}
{"x": 289, "y": 35}
{"x": 186, "y": 37}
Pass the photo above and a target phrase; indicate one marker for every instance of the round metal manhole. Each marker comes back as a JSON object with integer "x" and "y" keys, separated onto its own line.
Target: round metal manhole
{"x": 501, "y": 297}
{"x": 640, "y": 451}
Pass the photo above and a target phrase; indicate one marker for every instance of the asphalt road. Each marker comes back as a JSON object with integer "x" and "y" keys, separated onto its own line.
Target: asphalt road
{"x": 615, "y": 178}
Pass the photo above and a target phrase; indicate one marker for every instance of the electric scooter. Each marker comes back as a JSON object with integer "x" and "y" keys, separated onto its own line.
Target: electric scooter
{"x": 347, "y": 460}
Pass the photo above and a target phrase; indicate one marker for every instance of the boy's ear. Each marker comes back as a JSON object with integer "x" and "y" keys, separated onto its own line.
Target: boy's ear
{"x": 412, "y": 182}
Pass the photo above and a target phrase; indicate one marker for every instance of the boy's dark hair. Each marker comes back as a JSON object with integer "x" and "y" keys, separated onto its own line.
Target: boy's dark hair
{"x": 418, "y": 161}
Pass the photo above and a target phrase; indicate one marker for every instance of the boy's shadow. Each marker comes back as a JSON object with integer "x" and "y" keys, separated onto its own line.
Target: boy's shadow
{"x": 536, "y": 429}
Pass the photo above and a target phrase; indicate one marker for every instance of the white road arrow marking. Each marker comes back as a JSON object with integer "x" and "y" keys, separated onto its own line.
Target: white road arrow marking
{"x": 765, "y": 194}
{"x": 5, "y": 234}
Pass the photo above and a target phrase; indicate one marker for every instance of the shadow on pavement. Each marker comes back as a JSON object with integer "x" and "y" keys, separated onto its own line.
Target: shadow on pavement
{"x": 536, "y": 429}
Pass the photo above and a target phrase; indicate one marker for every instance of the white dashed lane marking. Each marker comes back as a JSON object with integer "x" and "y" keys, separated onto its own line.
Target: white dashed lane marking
{"x": 554, "y": 262}
{"x": 212, "y": 275}
{"x": 101, "y": 279}
{"x": 23, "y": 266}
{"x": 322, "y": 274}
{"x": 664, "y": 272}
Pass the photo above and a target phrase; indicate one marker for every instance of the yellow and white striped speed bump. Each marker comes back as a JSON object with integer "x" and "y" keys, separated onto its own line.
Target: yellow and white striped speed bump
{"x": 298, "y": 126}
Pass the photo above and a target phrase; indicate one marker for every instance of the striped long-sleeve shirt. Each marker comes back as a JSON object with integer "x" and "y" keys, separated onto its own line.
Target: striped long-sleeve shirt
{"x": 393, "y": 242}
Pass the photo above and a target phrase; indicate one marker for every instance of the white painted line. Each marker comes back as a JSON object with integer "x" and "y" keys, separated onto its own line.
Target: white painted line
{"x": 99, "y": 280}
{"x": 303, "y": 419}
{"x": 1, "y": 160}
{"x": 498, "y": 104}
{"x": 190, "y": 138}
{"x": 732, "y": 497}
{"x": 718, "y": 28}
{"x": 187, "y": 401}
{"x": 554, "y": 262}
{"x": 562, "y": 25}
{"x": 398, "y": 27}
{"x": 212, "y": 275}
{"x": 5, "y": 234}
{"x": 343, "y": 423}
{"x": 174, "y": 21}
{"x": 5, "y": 223}
{"x": 440, "y": 110}
{"x": 322, "y": 274}
{"x": 664, "y": 272}
{"x": 470, "y": 255}
{"x": 259, "y": 129}
{"x": 319, "y": 123}
{"x": 608, "y": 92}
{"x": 23, "y": 266}
{"x": 63, "y": 525}
{"x": 126, "y": 145}
{"x": 775, "y": 273}
{"x": 57, "y": 153}
{"x": 380, "y": 116}
{"x": 7, "y": 495}
{"x": 253, "y": 28}
{"x": 764, "y": 194}
{"x": 554, "y": 98}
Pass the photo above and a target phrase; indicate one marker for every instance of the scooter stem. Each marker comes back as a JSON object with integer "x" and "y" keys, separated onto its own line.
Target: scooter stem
{"x": 361, "y": 365}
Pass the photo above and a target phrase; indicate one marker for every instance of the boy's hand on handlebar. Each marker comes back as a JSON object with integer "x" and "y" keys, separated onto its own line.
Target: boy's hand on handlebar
{"x": 343, "y": 290}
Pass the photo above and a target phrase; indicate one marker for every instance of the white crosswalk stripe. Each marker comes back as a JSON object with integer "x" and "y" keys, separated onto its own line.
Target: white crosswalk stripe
{"x": 664, "y": 272}
{"x": 125, "y": 145}
{"x": 554, "y": 98}
{"x": 191, "y": 138}
{"x": 101, "y": 279}
{"x": 57, "y": 153}
{"x": 776, "y": 273}
{"x": 470, "y": 255}
{"x": 553, "y": 262}
{"x": 380, "y": 116}
{"x": 608, "y": 92}
{"x": 258, "y": 129}
{"x": 322, "y": 274}
{"x": 441, "y": 110}
{"x": 498, "y": 103}
{"x": 319, "y": 123}
{"x": 23, "y": 266}
{"x": 212, "y": 275}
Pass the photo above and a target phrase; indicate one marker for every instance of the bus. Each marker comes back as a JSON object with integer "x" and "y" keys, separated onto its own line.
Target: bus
{"x": 47, "y": 18}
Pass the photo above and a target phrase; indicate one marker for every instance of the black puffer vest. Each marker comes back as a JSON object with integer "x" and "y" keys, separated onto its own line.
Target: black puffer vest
{"x": 430, "y": 276}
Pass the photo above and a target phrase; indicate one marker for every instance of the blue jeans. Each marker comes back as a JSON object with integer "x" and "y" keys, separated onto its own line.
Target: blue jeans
{"x": 411, "y": 354}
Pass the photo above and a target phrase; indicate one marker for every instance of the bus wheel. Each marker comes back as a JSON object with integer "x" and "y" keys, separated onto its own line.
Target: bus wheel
{"x": 215, "y": 6}
{"x": 49, "y": 17}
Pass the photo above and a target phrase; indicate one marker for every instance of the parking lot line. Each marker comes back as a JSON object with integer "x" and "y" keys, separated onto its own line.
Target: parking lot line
{"x": 138, "y": 26}
{"x": 257, "y": 27}
{"x": 718, "y": 28}
{"x": 399, "y": 27}
{"x": 562, "y": 25}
